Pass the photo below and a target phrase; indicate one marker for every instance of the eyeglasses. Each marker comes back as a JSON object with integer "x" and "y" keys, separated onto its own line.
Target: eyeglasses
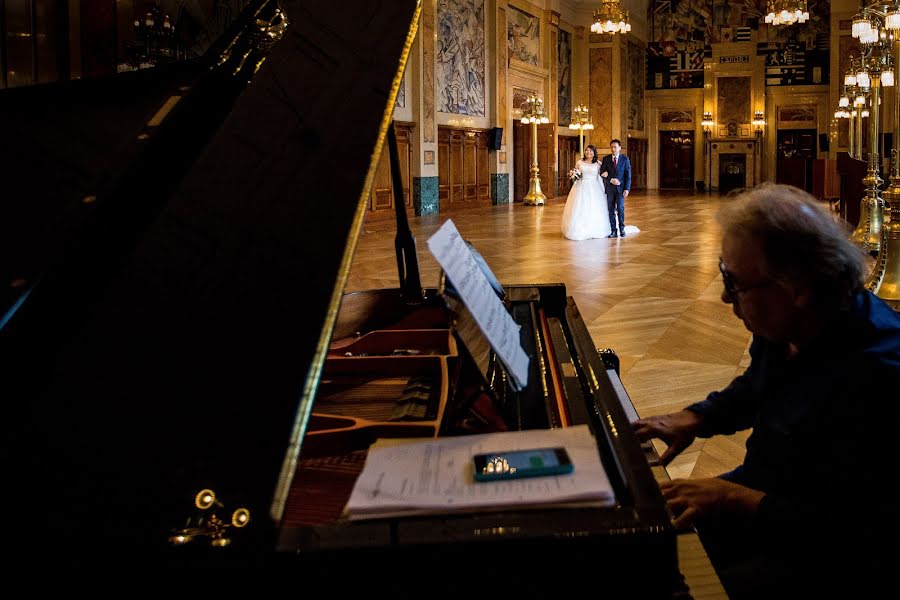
{"x": 732, "y": 289}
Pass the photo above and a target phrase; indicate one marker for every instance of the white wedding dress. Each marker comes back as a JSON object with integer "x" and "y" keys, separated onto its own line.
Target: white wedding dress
{"x": 586, "y": 215}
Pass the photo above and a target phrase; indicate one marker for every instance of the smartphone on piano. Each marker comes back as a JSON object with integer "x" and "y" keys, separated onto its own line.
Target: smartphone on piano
{"x": 517, "y": 464}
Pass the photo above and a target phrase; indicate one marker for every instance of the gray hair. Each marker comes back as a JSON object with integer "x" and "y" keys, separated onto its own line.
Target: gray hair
{"x": 802, "y": 242}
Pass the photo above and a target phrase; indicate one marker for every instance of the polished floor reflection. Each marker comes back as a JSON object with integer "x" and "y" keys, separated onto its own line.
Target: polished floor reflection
{"x": 653, "y": 297}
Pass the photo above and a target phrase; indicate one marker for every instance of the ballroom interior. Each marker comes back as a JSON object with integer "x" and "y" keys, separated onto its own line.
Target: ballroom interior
{"x": 493, "y": 102}
{"x": 704, "y": 95}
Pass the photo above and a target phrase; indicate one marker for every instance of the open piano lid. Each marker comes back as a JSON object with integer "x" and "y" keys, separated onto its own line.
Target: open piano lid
{"x": 176, "y": 344}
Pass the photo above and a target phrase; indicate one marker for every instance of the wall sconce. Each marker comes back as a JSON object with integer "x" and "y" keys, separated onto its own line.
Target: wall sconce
{"x": 759, "y": 122}
{"x": 707, "y": 122}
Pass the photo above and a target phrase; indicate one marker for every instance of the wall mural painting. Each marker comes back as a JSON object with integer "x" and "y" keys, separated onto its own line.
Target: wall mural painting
{"x": 733, "y": 104}
{"x": 401, "y": 95}
{"x": 460, "y": 57}
{"x": 523, "y": 36}
{"x": 636, "y": 68}
{"x": 520, "y": 95}
{"x": 682, "y": 31}
{"x": 564, "y": 85}
{"x": 676, "y": 116}
{"x": 799, "y": 113}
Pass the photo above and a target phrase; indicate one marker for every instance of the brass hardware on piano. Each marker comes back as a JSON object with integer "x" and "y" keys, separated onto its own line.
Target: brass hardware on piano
{"x": 206, "y": 523}
{"x": 253, "y": 46}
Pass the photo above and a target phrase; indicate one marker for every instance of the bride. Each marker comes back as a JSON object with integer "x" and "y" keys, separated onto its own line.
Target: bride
{"x": 586, "y": 215}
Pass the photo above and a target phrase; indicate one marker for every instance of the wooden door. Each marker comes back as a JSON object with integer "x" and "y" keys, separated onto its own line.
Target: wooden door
{"x": 676, "y": 159}
{"x": 482, "y": 165}
{"x": 381, "y": 198}
{"x": 568, "y": 156}
{"x": 470, "y": 167}
{"x": 522, "y": 158}
{"x": 795, "y": 154}
{"x": 637, "y": 154}
{"x": 546, "y": 152}
{"x": 463, "y": 167}
{"x": 443, "y": 161}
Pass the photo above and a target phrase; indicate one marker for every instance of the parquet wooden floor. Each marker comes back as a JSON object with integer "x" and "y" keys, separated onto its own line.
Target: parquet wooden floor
{"x": 653, "y": 297}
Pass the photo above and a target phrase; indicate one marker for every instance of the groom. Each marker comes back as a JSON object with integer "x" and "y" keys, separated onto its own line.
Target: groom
{"x": 616, "y": 172}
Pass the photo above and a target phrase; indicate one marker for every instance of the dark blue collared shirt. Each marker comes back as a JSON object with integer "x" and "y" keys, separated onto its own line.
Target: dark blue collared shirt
{"x": 824, "y": 425}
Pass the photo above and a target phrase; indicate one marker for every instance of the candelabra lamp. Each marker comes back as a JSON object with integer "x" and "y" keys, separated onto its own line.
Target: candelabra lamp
{"x": 759, "y": 122}
{"x": 884, "y": 280}
{"x": 581, "y": 121}
{"x": 876, "y": 39}
{"x": 533, "y": 113}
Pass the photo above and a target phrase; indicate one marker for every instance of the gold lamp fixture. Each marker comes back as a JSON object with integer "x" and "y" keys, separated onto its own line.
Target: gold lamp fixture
{"x": 210, "y": 522}
{"x": 581, "y": 121}
{"x": 759, "y": 121}
{"x": 876, "y": 43}
{"x": 707, "y": 122}
{"x": 787, "y": 12}
{"x": 877, "y": 27}
{"x": 610, "y": 18}
{"x": 533, "y": 113}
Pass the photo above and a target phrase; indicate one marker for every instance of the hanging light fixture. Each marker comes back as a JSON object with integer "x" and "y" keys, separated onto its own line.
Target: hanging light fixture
{"x": 610, "y": 18}
{"x": 787, "y": 12}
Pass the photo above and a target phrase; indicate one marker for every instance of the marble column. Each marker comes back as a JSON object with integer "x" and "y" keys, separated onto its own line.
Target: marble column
{"x": 499, "y": 161}
{"x": 425, "y": 177}
{"x": 551, "y": 100}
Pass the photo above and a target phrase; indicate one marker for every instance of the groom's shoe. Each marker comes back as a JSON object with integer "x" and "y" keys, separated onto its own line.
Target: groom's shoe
{"x": 621, "y": 234}
{"x": 612, "y": 235}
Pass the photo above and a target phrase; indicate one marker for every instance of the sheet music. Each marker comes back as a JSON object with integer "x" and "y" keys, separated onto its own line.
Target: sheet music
{"x": 437, "y": 475}
{"x": 476, "y": 292}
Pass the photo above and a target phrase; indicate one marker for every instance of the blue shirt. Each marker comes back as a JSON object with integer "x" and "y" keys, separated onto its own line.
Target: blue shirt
{"x": 824, "y": 425}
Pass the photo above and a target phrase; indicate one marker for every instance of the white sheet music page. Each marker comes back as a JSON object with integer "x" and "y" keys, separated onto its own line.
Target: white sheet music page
{"x": 438, "y": 475}
{"x": 498, "y": 326}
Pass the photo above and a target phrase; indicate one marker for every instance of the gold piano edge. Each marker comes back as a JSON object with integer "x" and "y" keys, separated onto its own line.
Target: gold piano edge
{"x": 289, "y": 466}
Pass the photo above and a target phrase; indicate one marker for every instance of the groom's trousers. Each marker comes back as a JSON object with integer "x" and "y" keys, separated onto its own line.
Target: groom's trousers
{"x": 615, "y": 202}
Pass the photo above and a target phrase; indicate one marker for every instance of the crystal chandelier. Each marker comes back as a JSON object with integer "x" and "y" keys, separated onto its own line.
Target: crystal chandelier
{"x": 610, "y": 18}
{"x": 787, "y": 12}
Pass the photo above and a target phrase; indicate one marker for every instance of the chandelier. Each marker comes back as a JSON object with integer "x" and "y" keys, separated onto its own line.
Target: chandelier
{"x": 610, "y": 18}
{"x": 787, "y": 12}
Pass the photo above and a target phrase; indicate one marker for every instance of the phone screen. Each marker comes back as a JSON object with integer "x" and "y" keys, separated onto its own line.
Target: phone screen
{"x": 522, "y": 463}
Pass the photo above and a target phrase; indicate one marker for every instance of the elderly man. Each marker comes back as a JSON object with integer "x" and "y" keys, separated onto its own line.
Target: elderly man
{"x": 808, "y": 508}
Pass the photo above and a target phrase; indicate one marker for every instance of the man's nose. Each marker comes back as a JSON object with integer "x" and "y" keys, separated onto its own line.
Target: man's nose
{"x": 726, "y": 297}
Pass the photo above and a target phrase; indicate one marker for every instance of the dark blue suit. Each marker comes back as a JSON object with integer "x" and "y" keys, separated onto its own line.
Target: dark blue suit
{"x": 615, "y": 201}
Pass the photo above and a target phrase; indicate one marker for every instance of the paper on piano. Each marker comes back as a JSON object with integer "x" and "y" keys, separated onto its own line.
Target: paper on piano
{"x": 476, "y": 292}
{"x": 437, "y": 475}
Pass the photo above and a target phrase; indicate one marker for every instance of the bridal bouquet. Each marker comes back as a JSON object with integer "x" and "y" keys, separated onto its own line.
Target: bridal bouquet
{"x": 574, "y": 175}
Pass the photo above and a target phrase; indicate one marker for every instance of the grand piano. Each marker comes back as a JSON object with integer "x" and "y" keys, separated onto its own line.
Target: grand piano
{"x": 184, "y": 377}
